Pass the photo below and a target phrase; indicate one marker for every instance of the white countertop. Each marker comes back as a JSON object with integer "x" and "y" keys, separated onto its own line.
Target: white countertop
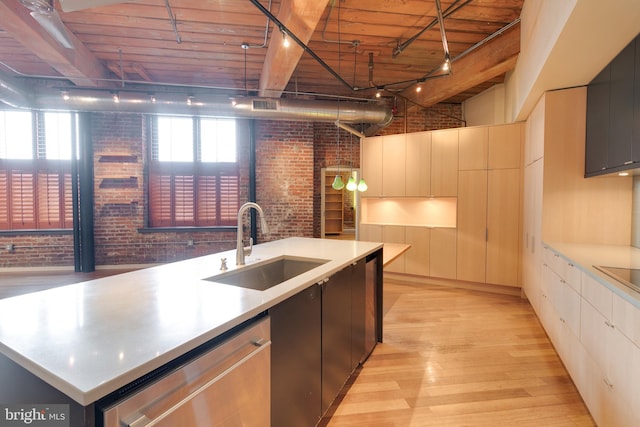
{"x": 91, "y": 338}
{"x": 585, "y": 256}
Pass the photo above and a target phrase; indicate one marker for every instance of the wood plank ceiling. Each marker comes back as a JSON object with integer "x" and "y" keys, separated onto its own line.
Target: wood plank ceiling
{"x": 350, "y": 48}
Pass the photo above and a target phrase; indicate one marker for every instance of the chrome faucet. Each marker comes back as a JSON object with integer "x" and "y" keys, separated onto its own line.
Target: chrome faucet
{"x": 241, "y": 250}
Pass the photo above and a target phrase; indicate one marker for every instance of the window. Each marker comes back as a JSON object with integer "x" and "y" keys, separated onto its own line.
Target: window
{"x": 35, "y": 170}
{"x": 193, "y": 172}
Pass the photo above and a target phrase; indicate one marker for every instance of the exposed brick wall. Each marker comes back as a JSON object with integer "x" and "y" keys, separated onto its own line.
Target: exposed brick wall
{"x": 439, "y": 116}
{"x": 290, "y": 156}
{"x": 285, "y": 177}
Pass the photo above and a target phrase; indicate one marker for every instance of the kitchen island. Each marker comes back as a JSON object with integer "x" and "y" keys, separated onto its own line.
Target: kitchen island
{"x": 90, "y": 339}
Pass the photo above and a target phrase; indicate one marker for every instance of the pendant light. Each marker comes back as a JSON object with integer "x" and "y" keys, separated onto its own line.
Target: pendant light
{"x": 362, "y": 185}
{"x": 338, "y": 184}
{"x": 351, "y": 184}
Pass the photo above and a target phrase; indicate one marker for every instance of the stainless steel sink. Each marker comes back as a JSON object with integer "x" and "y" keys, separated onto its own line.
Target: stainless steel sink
{"x": 264, "y": 275}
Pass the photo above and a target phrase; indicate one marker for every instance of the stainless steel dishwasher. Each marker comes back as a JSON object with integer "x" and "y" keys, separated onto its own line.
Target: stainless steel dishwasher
{"x": 229, "y": 385}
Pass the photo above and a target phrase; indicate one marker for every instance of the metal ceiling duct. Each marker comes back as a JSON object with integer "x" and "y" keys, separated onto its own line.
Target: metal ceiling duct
{"x": 145, "y": 101}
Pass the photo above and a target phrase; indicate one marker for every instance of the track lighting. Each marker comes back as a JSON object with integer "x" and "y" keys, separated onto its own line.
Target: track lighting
{"x": 190, "y": 100}
{"x": 446, "y": 66}
{"x": 65, "y": 95}
{"x": 419, "y": 88}
{"x": 378, "y": 93}
{"x": 116, "y": 97}
{"x": 285, "y": 39}
{"x": 152, "y": 98}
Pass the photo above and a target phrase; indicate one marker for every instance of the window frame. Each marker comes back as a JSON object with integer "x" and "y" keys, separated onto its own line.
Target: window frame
{"x": 202, "y": 206}
{"x": 36, "y": 193}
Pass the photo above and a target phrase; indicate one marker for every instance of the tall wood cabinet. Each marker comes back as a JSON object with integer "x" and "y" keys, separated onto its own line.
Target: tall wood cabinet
{"x": 488, "y": 231}
{"x": 478, "y": 168}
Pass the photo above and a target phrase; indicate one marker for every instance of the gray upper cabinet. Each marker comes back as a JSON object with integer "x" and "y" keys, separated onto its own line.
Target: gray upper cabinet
{"x": 613, "y": 115}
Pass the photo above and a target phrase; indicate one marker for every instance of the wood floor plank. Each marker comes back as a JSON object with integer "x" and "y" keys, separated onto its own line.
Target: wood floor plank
{"x": 455, "y": 357}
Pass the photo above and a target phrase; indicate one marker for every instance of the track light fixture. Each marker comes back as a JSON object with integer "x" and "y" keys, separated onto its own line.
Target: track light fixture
{"x": 116, "y": 97}
{"x": 65, "y": 95}
{"x": 285, "y": 39}
{"x": 446, "y": 66}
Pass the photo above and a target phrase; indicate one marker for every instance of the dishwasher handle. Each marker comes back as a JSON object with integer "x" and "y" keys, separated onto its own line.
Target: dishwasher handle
{"x": 144, "y": 421}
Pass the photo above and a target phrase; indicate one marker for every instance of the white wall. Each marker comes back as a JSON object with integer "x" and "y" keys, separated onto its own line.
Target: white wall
{"x": 486, "y": 108}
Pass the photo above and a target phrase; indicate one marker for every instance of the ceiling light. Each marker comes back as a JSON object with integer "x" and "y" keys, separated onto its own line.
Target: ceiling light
{"x": 285, "y": 39}
{"x": 446, "y": 66}
{"x": 378, "y": 93}
{"x": 623, "y": 174}
{"x": 362, "y": 185}
{"x": 190, "y": 100}
{"x": 116, "y": 98}
{"x": 65, "y": 95}
{"x": 152, "y": 98}
{"x": 419, "y": 88}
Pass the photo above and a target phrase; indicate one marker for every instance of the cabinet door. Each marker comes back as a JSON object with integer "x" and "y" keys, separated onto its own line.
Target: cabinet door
{"x": 635, "y": 148}
{"x": 393, "y": 165}
{"x": 442, "y": 259}
{"x": 473, "y": 146}
{"x": 444, "y": 163}
{"x": 296, "y": 359}
{"x": 371, "y": 163}
{"x": 418, "y": 164}
{"x": 472, "y": 225}
{"x": 395, "y": 234}
{"x": 597, "y": 122}
{"x": 503, "y": 224}
{"x": 621, "y": 108}
{"x": 505, "y": 146}
{"x": 336, "y": 335}
{"x": 416, "y": 259}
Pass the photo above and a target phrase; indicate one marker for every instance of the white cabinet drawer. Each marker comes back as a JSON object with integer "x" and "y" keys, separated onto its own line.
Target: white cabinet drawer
{"x": 626, "y": 317}
{"x": 598, "y": 295}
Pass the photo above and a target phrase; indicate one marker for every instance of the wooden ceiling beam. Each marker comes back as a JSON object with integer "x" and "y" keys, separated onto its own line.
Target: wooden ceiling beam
{"x": 301, "y": 17}
{"x": 77, "y": 64}
{"x": 492, "y": 59}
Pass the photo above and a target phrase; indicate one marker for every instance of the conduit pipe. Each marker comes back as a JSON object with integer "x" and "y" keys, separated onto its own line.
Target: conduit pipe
{"x": 14, "y": 94}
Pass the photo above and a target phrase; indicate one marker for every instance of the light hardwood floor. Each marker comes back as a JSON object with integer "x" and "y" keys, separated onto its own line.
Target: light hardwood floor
{"x": 454, "y": 357}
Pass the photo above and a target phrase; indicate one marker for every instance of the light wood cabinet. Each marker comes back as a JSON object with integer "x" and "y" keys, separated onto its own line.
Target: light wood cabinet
{"x": 417, "y": 258}
{"x": 503, "y": 226}
{"x": 371, "y": 165}
{"x": 442, "y": 253}
{"x": 503, "y": 153}
{"x": 394, "y": 150}
{"x": 418, "y": 164}
{"x": 444, "y": 163}
{"x": 472, "y": 225}
{"x": 473, "y": 146}
{"x": 488, "y": 229}
{"x": 580, "y": 316}
{"x": 395, "y": 234}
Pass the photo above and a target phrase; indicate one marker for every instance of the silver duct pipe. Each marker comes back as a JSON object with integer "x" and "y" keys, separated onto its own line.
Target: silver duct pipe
{"x": 146, "y": 102}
